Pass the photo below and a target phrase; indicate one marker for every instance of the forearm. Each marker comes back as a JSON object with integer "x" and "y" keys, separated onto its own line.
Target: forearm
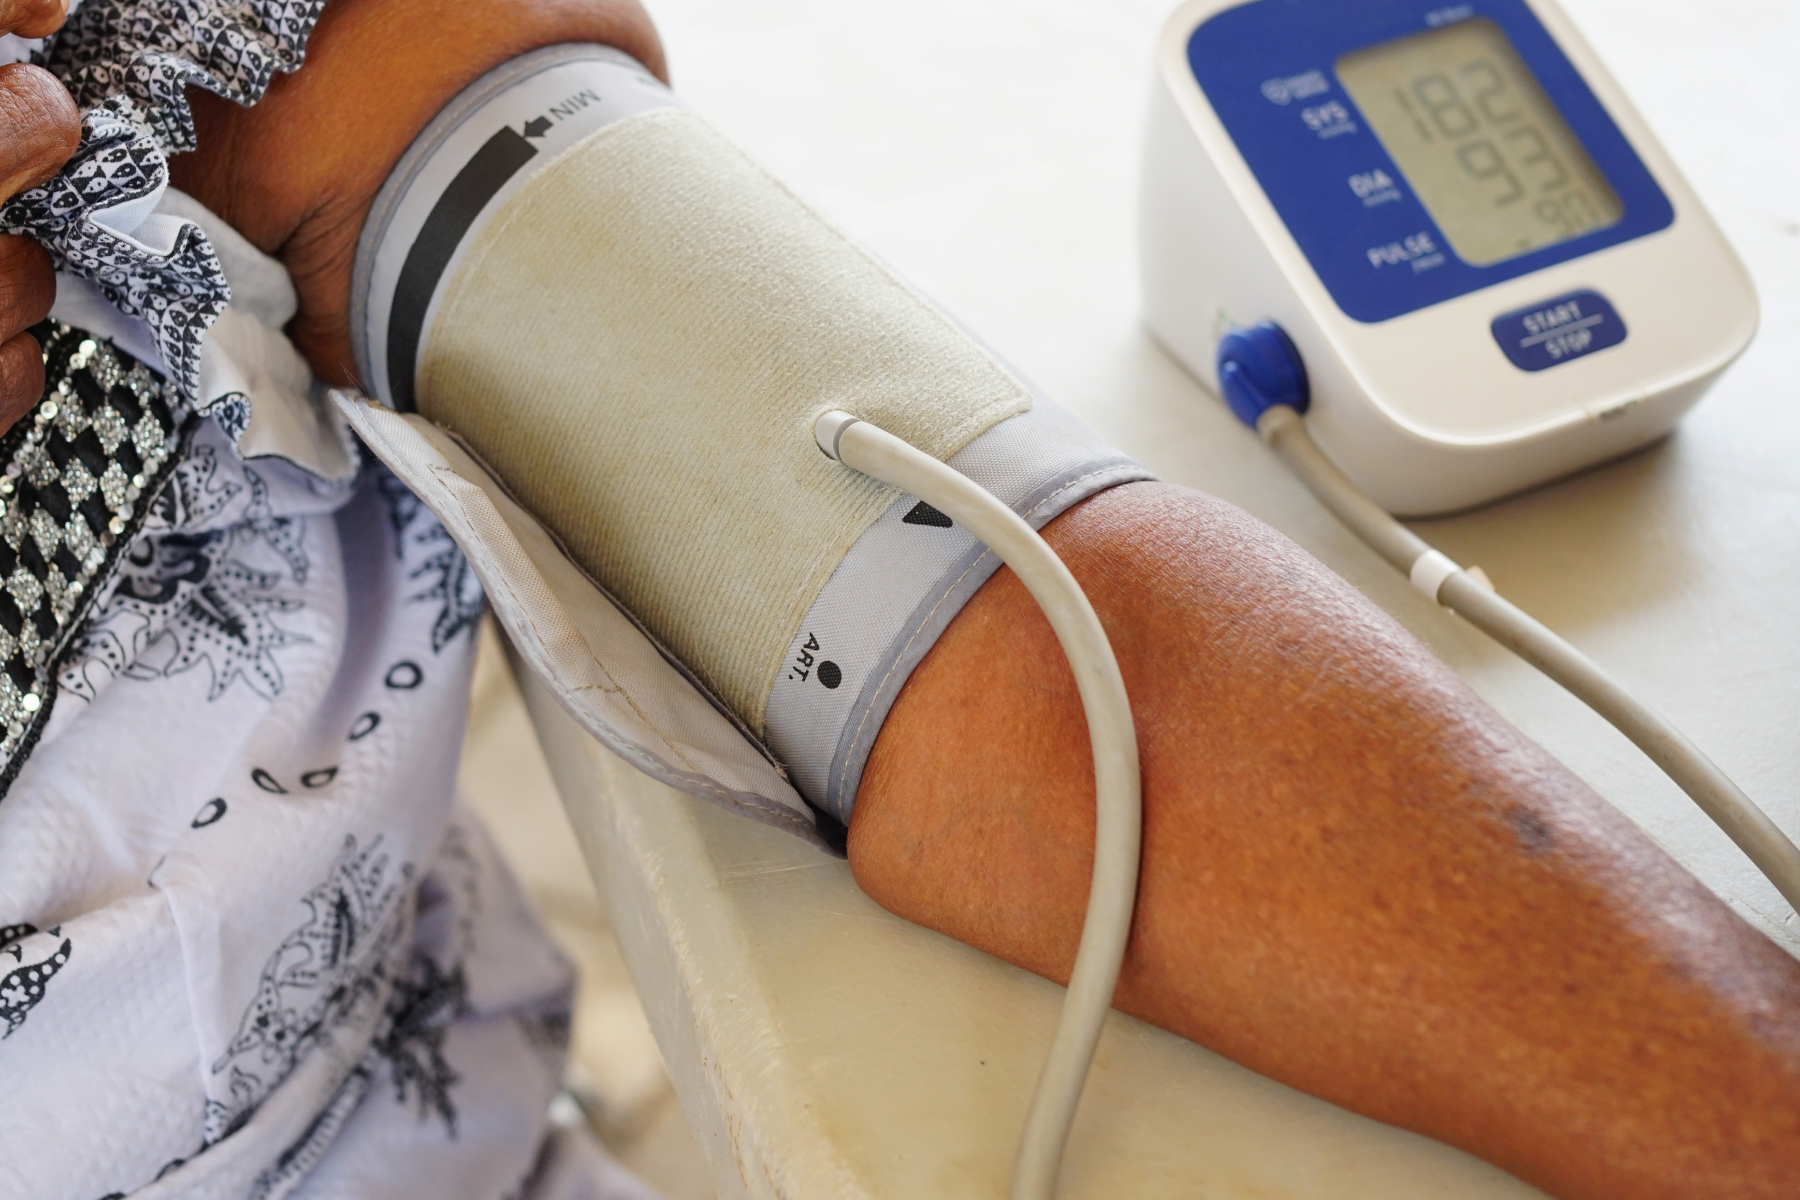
{"x": 1356, "y": 877}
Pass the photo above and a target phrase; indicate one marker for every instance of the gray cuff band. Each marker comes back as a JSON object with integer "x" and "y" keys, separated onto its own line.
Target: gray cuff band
{"x": 900, "y": 586}
{"x": 496, "y": 134}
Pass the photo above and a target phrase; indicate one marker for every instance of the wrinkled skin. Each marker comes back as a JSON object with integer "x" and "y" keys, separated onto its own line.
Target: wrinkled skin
{"x": 1357, "y": 878}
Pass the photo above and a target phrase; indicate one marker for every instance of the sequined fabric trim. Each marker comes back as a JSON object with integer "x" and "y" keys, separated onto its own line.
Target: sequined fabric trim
{"x": 77, "y": 478}
{"x": 178, "y": 295}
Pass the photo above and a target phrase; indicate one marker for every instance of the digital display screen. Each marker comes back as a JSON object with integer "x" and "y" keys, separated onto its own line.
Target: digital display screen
{"x": 1479, "y": 142}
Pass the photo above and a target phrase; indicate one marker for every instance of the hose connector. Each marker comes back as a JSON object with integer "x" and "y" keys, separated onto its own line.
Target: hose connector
{"x": 828, "y": 431}
{"x": 1260, "y": 369}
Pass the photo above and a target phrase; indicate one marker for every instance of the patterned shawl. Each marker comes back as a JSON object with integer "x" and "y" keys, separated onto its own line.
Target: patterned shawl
{"x": 127, "y": 63}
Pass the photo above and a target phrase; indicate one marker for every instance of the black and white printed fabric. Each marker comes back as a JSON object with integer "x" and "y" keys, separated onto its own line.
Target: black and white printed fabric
{"x": 250, "y": 946}
{"x": 127, "y": 63}
{"x": 82, "y": 474}
{"x": 247, "y": 925}
{"x": 900, "y": 586}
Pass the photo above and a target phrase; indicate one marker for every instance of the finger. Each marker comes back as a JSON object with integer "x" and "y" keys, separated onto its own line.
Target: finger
{"x": 32, "y": 18}
{"x": 39, "y": 127}
{"x": 27, "y": 285}
{"x": 21, "y": 378}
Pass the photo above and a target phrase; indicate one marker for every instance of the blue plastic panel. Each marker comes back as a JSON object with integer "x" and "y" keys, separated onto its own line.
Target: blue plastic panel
{"x": 1267, "y": 69}
{"x": 1558, "y": 331}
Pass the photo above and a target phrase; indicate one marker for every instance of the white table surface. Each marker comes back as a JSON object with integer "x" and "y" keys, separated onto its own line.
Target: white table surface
{"x": 989, "y": 151}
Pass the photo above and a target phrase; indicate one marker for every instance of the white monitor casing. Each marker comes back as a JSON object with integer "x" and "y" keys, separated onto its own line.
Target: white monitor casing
{"x": 1423, "y": 410}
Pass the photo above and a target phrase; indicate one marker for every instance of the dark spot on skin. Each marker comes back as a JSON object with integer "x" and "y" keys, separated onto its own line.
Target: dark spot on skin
{"x": 1534, "y": 836}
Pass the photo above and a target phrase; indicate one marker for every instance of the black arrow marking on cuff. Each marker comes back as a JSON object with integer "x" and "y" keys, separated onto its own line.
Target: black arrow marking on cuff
{"x": 498, "y": 160}
{"x": 923, "y": 514}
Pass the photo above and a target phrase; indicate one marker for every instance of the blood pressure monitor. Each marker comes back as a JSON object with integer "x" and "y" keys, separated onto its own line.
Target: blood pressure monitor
{"x": 1493, "y": 273}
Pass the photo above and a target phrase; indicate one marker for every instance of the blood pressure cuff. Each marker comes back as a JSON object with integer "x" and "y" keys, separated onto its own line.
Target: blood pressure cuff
{"x": 601, "y": 334}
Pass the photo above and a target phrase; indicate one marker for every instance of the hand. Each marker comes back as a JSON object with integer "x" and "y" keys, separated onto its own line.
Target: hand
{"x": 39, "y": 128}
{"x": 32, "y": 18}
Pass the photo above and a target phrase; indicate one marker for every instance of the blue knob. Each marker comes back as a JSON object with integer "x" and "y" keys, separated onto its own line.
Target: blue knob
{"x": 1260, "y": 368}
